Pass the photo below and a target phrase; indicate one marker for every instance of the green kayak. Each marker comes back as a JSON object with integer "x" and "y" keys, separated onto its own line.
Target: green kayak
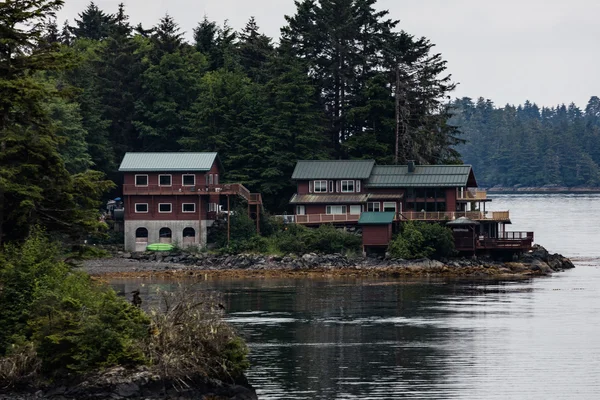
{"x": 160, "y": 247}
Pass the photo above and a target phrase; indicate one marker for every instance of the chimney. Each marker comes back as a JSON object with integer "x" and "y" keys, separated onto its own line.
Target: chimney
{"x": 411, "y": 166}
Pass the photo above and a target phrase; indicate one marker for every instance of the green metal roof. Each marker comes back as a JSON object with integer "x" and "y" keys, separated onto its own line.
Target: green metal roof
{"x": 134, "y": 162}
{"x": 333, "y": 169}
{"x": 328, "y": 199}
{"x": 376, "y": 218}
{"x": 423, "y": 176}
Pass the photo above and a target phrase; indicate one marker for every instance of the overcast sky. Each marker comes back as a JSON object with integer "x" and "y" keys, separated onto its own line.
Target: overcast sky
{"x": 545, "y": 51}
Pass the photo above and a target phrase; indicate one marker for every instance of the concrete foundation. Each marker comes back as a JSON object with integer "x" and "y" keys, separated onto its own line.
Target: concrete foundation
{"x": 139, "y": 244}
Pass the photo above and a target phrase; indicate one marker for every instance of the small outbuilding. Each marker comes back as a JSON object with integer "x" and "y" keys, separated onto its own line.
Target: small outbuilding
{"x": 376, "y": 229}
{"x": 464, "y": 231}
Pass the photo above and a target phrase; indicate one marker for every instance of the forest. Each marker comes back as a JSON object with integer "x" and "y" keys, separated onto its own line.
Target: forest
{"x": 530, "y": 146}
{"x": 342, "y": 81}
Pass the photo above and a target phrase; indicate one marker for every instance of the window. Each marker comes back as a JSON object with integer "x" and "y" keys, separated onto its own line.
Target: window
{"x": 335, "y": 210}
{"x": 347, "y": 186}
{"x": 164, "y": 233}
{"x": 210, "y": 179}
{"x": 189, "y": 180}
{"x": 355, "y": 210}
{"x": 320, "y": 186}
{"x": 189, "y": 232}
{"x": 216, "y": 179}
{"x": 141, "y": 233}
{"x": 164, "y": 207}
{"x": 141, "y": 207}
{"x": 410, "y": 193}
{"x": 373, "y": 207}
{"x": 300, "y": 210}
{"x": 389, "y": 206}
{"x": 357, "y": 186}
{"x": 188, "y": 207}
{"x": 164, "y": 180}
{"x": 141, "y": 180}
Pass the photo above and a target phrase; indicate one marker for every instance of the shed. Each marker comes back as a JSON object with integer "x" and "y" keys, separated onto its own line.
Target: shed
{"x": 376, "y": 228}
{"x": 464, "y": 231}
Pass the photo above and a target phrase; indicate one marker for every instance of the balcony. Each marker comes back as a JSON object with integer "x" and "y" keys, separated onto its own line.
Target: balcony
{"x": 235, "y": 189}
{"x": 316, "y": 219}
{"x": 472, "y": 195}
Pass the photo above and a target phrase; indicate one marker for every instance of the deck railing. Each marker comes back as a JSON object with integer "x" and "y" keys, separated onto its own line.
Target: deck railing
{"x": 473, "y": 195}
{"x": 406, "y": 216}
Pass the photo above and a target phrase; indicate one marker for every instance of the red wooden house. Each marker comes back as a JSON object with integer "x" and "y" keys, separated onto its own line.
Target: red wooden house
{"x": 174, "y": 197}
{"x": 340, "y": 191}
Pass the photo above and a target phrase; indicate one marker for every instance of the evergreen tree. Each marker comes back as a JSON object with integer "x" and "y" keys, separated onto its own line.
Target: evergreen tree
{"x": 255, "y": 50}
{"x": 205, "y": 41}
{"x": 93, "y": 23}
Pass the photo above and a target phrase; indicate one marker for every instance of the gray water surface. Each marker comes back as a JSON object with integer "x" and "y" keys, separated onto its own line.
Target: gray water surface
{"x": 436, "y": 339}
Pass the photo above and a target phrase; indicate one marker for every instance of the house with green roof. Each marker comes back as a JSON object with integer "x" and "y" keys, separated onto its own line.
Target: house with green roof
{"x": 351, "y": 192}
{"x": 175, "y": 197}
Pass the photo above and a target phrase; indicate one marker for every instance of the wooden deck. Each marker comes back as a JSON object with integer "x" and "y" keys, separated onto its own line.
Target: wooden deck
{"x": 232, "y": 189}
{"x": 472, "y": 195}
{"x": 315, "y": 219}
{"x": 520, "y": 241}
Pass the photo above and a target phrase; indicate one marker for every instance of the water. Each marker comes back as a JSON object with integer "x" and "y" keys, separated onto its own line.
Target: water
{"x": 406, "y": 339}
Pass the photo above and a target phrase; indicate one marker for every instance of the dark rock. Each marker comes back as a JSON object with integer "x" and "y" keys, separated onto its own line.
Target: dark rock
{"x": 128, "y": 389}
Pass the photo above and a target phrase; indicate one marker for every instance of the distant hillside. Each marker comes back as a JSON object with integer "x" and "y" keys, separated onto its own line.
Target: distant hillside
{"x": 528, "y": 145}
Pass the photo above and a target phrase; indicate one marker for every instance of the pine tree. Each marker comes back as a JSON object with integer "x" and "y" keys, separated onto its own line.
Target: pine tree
{"x": 93, "y": 23}
{"x": 255, "y": 50}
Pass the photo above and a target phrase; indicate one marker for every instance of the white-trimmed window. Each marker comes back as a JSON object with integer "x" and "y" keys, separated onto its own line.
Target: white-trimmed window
{"x": 188, "y": 179}
{"x": 165, "y": 207}
{"x": 357, "y": 186}
{"x": 320, "y": 187}
{"x": 141, "y": 207}
{"x": 373, "y": 206}
{"x": 216, "y": 179}
{"x": 389, "y": 206}
{"x": 141, "y": 180}
{"x": 331, "y": 187}
{"x": 347, "y": 186}
{"x": 210, "y": 179}
{"x": 300, "y": 210}
{"x": 188, "y": 207}
{"x": 355, "y": 210}
{"x": 165, "y": 180}
{"x": 336, "y": 210}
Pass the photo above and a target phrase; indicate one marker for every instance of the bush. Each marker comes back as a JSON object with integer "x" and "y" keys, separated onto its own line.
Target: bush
{"x": 325, "y": 239}
{"x": 422, "y": 240}
{"x": 241, "y": 229}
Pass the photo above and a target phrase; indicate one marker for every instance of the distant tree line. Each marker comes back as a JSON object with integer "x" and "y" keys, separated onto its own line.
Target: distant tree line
{"x": 528, "y": 145}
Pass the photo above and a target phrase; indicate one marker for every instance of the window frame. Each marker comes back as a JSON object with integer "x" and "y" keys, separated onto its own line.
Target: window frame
{"x": 187, "y": 204}
{"x": 355, "y": 206}
{"x": 343, "y": 208}
{"x": 373, "y": 203}
{"x": 170, "y": 180}
{"x": 136, "y": 182}
{"x": 347, "y": 190}
{"x": 301, "y": 207}
{"x": 390, "y": 202}
{"x": 135, "y": 207}
{"x": 357, "y": 186}
{"x": 183, "y": 180}
{"x": 320, "y": 186}
{"x": 165, "y": 212}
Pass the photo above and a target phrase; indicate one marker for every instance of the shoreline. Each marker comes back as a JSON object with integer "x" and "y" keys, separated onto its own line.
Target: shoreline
{"x": 179, "y": 265}
{"x": 541, "y": 190}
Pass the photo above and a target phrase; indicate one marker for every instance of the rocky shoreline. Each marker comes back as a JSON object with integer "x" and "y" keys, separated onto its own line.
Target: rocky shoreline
{"x": 119, "y": 383}
{"x": 538, "y": 262}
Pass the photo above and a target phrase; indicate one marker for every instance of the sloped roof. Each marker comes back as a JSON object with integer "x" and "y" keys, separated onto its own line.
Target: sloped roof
{"x": 333, "y": 169}
{"x": 328, "y": 199}
{"x": 462, "y": 221}
{"x": 134, "y": 162}
{"x": 376, "y": 218}
{"x": 423, "y": 176}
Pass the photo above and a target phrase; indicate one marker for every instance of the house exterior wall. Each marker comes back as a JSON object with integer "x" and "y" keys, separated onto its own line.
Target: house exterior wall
{"x": 451, "y": 199}
{"x": 376, "y": 235}
{"x": 201, "y": 205}
{"x": 154, "y": 226}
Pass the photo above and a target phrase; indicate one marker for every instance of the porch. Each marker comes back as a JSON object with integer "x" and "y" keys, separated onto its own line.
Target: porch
{"x": 433, "y": 216}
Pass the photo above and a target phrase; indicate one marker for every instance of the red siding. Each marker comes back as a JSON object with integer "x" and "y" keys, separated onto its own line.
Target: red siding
{"x": 303, "y": 187}
{"x": 451, "y": 199}
{"x": 176, "y": 208}
{"x": 376, "y": 235}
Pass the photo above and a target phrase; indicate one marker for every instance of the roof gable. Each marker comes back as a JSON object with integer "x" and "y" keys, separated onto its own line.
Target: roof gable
{"x": 333, "y": 169}
{"x": 148, "y": 162}
{"x": 423, "y": 176}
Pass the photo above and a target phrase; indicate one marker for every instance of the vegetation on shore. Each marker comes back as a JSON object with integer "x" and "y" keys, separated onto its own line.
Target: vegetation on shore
{"x": 58, "y": 323}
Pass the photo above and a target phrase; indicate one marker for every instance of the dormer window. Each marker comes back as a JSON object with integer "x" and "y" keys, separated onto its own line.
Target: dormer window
{"x": 347, "y": 186}
{"x": 320, "y": 187}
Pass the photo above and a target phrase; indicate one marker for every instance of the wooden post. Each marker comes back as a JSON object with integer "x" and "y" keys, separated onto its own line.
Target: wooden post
{"x": 257, "y": 220}
{"x": 199, "y": 218}
{"x": 228, "y": 221}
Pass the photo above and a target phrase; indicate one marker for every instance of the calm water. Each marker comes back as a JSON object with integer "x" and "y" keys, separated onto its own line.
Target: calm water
{"x": 387, "y": 339}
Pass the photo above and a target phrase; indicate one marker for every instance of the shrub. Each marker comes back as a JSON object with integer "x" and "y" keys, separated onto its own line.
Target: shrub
{"x": 325, "y": 239}
{"x": 190, "y": 338}
{"x": 422, "y": 240}
{"x": 241, "y": 229}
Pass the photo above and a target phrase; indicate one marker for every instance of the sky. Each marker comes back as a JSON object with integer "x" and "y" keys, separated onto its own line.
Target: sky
{"x": 508, "y": 51}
